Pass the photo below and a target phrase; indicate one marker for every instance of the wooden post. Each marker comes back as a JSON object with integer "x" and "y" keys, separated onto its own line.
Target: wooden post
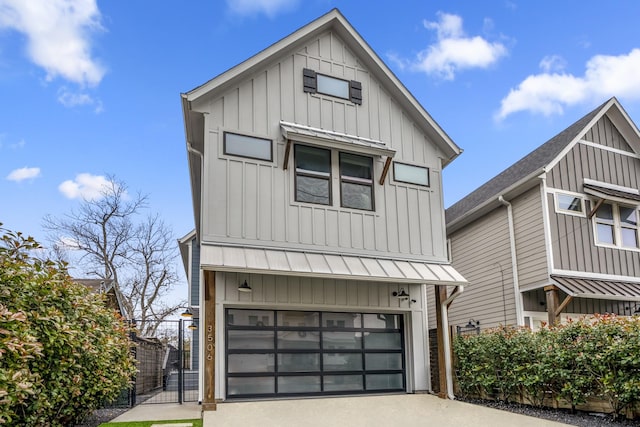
{"x": 441, "y": 295}
{"x": 553, "y": 299}
{"x": 209, "y": 398}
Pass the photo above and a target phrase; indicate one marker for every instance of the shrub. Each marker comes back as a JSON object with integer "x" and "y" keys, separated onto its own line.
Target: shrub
{"x": 61, "y": 351}
{"x": 597, "y": 357}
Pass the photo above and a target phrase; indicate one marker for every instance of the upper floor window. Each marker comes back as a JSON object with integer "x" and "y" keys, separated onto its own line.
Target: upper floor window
{"x": 569, "y": 204}
{"x": 617, "y": 225}
{"x": 314, "y": 82}
{"x": 313, "y": 174}
{"x": 315, "y": 167}
{"x": 411, "y": 174}
{"x": 356, "y": 181}
{"x": 248, "y": 146}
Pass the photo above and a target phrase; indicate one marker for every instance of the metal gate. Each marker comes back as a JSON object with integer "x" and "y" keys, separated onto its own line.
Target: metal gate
{"x": 166, "y": 355}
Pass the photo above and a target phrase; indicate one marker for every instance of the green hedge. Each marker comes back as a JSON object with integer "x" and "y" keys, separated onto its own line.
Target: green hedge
{"x": 597, "y": 357}
{"x": 61, "y": 351}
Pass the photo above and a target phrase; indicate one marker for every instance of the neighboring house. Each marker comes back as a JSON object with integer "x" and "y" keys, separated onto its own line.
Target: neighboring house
{"x": 317, "y": 195}
{"x": 556, "y": 234}
{"x": 106, "y": 287}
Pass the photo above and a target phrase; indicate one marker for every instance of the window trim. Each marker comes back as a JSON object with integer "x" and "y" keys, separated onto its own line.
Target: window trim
{"x": 226, "y": 153}
{"x": 559, "y": 210}
{"x": 617, "y": 227}
{"x": 428, "y": 185}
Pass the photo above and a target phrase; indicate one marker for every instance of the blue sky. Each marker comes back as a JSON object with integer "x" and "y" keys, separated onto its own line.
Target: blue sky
{"x": 93, "y": 89}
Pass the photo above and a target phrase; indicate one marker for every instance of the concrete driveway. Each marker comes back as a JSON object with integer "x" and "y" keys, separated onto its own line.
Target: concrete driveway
{"x": 371, "y": 411}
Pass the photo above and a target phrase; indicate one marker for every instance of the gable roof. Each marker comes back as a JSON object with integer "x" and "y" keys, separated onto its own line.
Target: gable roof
{"x": 485, "y": 198}
{"x": 332, "y": 21}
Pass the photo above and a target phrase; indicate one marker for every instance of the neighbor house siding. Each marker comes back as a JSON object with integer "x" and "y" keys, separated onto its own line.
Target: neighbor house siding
{"x": 195, "y": 274}
{"x": 536, "y": 301}
{"x": 252, "y": 202}
{"x": 481, "y": 253}
{"x": 529, "y": 238}
{"x": 572, "y": 237}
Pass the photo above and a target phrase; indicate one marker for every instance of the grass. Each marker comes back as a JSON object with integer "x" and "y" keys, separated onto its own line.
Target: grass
{"x": 195, "y": 422}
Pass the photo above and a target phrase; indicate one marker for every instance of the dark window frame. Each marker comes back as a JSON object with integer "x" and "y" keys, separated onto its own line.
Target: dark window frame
{"x": 226, "y": 153}
{"x": 359, "y": 181}
{"x": 275, "y": 374}
{"x": 311, "y": 174}
{"x": 428, "y": 185}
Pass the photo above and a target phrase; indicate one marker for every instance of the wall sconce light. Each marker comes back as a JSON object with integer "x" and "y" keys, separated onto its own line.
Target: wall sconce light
{"x": 192, "y": 326}
{"x": 402, "y": 295}
{"x": 636, "y": 309}
{"x": 245, "y": 287}
{"x": 187, "y": 313}
{"x": 472, "y": 324}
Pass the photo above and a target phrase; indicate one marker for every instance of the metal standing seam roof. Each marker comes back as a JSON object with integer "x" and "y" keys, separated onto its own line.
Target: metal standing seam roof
{"x": 536, "y": 160}
{"x": 598, "y": 289}
{"x": 605, "y": 192}
{"x": 293, "y": 130}
{"x": 321, "y": 265}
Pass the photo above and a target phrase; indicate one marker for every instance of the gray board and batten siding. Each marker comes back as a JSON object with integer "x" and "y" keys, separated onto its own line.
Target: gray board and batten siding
{"x": 573, "y": 236}
{"x": 252, "y": 202}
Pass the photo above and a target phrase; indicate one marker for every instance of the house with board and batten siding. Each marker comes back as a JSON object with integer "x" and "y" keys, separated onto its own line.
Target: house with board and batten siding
{"x": 319, "y": 223}
{"x": 555, "y": 235}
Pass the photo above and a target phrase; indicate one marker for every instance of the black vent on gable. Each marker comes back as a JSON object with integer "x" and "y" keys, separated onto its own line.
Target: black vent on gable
{"x": 355, "y": 92}
{"x": 309, "y": 80}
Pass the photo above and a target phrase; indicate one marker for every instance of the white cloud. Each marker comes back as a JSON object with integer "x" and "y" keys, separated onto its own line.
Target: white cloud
{"x": 553, "y": 63}
{"x": 549, "y": 92}
{"x": 86, "y": 186}
{"x": 68, "y": 243}
{"x": 75, "y": 99}
{"x": 454, "y": 51}
{"x": 268, "y": 7}
{"x": 22, "y": 174}
{"x": 58, "y": 36}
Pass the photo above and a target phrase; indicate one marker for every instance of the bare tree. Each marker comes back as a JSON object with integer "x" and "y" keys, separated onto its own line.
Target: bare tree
{"x": 114, "y": 243}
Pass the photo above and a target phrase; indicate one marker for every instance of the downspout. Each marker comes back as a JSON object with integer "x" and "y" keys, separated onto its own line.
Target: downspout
{"x": 446, "y": 339}
{"x": 514, "y": 261}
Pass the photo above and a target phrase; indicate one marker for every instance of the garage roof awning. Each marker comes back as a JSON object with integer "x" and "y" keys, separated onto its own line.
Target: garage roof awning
{"x": 598, "y": 289}
{"x": 339, "y": 140}
{"x": 322, "y": 265}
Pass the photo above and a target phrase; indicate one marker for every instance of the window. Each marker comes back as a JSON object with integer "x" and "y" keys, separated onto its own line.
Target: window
{"x": 356, "y": 182}
{"x": 332, "y": 86}
{"x": 315, "y": 167}
{"x": 248, "y": 146}
{"x": 568, "y": 203}
{"x": 617, "y": 225}
{"x": 411, "y": 174}
{"x": 313, "y": 175}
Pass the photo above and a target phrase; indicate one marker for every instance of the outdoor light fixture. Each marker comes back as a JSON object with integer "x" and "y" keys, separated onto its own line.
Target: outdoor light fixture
{"x": 244, "y": 287}
{"x": 192, "y": 326}
{"x": 636, "y": 308}
{"x": 402, "y": 295}
{"x": 187, "y": 313}
{"x": 472, "y": 324}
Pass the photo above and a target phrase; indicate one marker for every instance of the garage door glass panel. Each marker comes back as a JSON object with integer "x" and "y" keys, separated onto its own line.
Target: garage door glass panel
{"x": 299, "y": 339}
{"x": 251, "y": 385}
{"x": 341, "y": 320}
{"x": 342, "y": 362}
{"x": 381, "y": 321}
{"x": 298, "y": 319}
{"x": 257, "y": 318}
{"x": 298, "y": 362}
{"x": 343, "y": 383}
{"x": 250, "y": 340}
{"x": 306, "y": 384}
{"x": 341, "y": 340}
{"x": 263, "y": 362}
{"x": 383, "y": 340}
{"x": 382, "y": 361}
{"x": 383, "y": 381}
